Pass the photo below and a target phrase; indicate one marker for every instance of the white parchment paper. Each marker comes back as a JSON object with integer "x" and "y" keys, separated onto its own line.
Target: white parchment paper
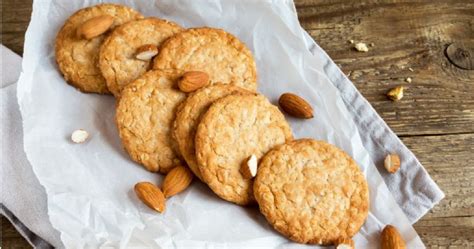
{"x": 90, "y": 186}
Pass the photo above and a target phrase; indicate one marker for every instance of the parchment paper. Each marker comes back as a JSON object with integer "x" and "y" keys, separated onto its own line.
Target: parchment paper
{"x": 90, "y": 186}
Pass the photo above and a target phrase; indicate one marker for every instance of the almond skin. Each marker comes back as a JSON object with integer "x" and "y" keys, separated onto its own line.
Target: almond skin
{"x": 193, "y": 80}
{"x": 95, "y": 26}
{"x": 177, "y": 180}
{"x": 344, "y": 243}
{"x": 391, "y": 238}
{"x": 295, "y": 106}
{"x": 392, "y": 163}
{"x": 146, "y": 52}
{"x": 151, "y": 195}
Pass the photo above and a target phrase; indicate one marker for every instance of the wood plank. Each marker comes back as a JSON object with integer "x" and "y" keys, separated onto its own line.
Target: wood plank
{"x": 440, "y": 99}
{"x": 10, "y": 238}
{"x": 454, "y": 232}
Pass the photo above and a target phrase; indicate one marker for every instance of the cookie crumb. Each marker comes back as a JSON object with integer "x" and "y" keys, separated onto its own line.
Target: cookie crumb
{"x": 372, "y": 44}
{"x": 79, "y": 136}
{"x": 408, "y": 80}
{"x": 351, "y": 41}
{"x": 395, "y": 93}
{"x": 361, "y": 47}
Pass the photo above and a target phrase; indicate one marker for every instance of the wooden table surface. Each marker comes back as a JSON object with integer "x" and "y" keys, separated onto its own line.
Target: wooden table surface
{"x": 435, "y": 119}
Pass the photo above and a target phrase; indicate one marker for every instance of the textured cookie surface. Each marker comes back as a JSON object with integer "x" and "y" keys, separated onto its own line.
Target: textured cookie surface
{"x": 144, "y": 116}
{"x": 78, "y": 58}
{"x": 234, "y": 128}
{"x": 214, "y": 51}
{"x": 188, "y": 117}
{"x": 312, "y": 192}
{"x": 117, "y": 55}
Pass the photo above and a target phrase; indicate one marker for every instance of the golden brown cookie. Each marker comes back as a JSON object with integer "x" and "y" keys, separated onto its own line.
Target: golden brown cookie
{"x": 144, "y": 116}
{"x": 118, "y": 62}
{"x": 188, "y": 117}
{"x": 78, "y": 58}
{"x": 312, "y": 192}
{"x": 234, "y": 128}
{"x": 214, "y": 51}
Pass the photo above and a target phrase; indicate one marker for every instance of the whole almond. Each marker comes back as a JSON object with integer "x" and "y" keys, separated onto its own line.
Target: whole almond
{"x": 193, "y": 80}
{"x": 392, "y": 163}
{"x": 146, "y": 52}
{"x": 295, "y": 106}
{"x": 177, "y": 180}
{"x": 344, "y": 243}
{"x": 391, "y": 238}
{"x": 151, "y": 195}
{"x": 248, "y": 168}
{"x": 95, "y": 26}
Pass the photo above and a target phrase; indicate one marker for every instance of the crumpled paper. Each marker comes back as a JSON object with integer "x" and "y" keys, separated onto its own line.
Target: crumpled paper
{"x": 90, "y": 186}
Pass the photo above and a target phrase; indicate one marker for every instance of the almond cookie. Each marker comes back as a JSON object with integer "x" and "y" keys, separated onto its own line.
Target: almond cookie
{"x": 118, "y": 62}
{"x": 221, "y": 55}
{"x": 234, "y": 128}
{"x": 188, "y": 117}
{"x": 144, "y": 117}
{"x": 77, "y": 57}
{"x": 312, "y": 192}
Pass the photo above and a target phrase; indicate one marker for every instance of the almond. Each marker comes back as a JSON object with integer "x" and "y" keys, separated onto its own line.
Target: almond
{"x": 79, "y": 136}
{"x": 391, "y": 238}
{"x": 146, "y": 52}
{"x": 193, "y": 80}
{"x": 151, "y": 195}
{"x": 95, "y": 26}
{"x": 295, "y": 106}
{"x": 249, "y": 167}
{"x": 177, "y": 180}
{"x": 392, "y": 163}
{"x": 344, "y": 243}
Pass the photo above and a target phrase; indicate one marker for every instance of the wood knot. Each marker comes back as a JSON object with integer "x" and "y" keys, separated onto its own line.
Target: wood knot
{"x": 461, "y": 55}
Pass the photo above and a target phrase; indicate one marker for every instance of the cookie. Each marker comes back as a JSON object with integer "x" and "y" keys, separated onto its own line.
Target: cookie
{"x": 78, "y": 58}
{"x": 312, "y": 192}
{"x": 144, "y": 117}
{"x": 234, "y": 128}
{"x": 117, "y": 61}
{"x": 214, "y": 51}
{"x": 188, "y": 117}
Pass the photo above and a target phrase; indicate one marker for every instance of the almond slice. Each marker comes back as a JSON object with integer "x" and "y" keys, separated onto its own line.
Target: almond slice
{"x": 95, "y": 26}
{"x": 193, "y": 80}
{"x": 79, "y": 136}
{"x": 344, "y": 243}
{"x": 249, "y": 167}
{"x": 295, "y": 106}
{"x": 395, "y": 93}
{"x": 177, "y": 180}
{"x": 146, "y": 52}
{"x": 391, "y": 238}
{"x": 151, "y": 195}
{"x": 392, "y": 163}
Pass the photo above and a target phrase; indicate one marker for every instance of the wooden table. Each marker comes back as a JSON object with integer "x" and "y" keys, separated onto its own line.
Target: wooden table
{"x": 435, "y": 119}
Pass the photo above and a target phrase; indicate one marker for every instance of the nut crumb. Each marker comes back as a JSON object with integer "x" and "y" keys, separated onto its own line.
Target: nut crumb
{"x": 351, "y": 41}
{"x": 392, "y": 163}
{"x": 411, "y": 69}
{"x": 408, "y": 80}
{"x": 79, "y": 136}
{"x": 395, "y": 93}
{"x": 361, "y": 47}
{"x": 372, "y": 44}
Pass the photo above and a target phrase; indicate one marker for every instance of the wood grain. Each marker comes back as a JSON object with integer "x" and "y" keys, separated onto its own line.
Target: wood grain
{"x": 435, "y": 118}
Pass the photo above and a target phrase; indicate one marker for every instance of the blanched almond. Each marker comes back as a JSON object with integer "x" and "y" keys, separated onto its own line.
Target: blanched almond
{"x": 151, "y": 195}
{"x": 249, "y": 167}
{"x": 95, "y": 26}
{"x": 177, "y": 180}
{"x": 193, "y": 80}
{"x": 295, "y": 106}
{"x": 146, "y": 52}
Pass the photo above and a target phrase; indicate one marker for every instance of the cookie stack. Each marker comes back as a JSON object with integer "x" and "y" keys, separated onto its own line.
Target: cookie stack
{"x": 188, "y": 97}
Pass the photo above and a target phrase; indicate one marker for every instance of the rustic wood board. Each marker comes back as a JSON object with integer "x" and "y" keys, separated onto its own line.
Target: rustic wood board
{"x": 435, "y": 119}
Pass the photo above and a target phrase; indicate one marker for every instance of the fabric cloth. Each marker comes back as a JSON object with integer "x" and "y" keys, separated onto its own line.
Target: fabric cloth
{"x": 24, "y": 199}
